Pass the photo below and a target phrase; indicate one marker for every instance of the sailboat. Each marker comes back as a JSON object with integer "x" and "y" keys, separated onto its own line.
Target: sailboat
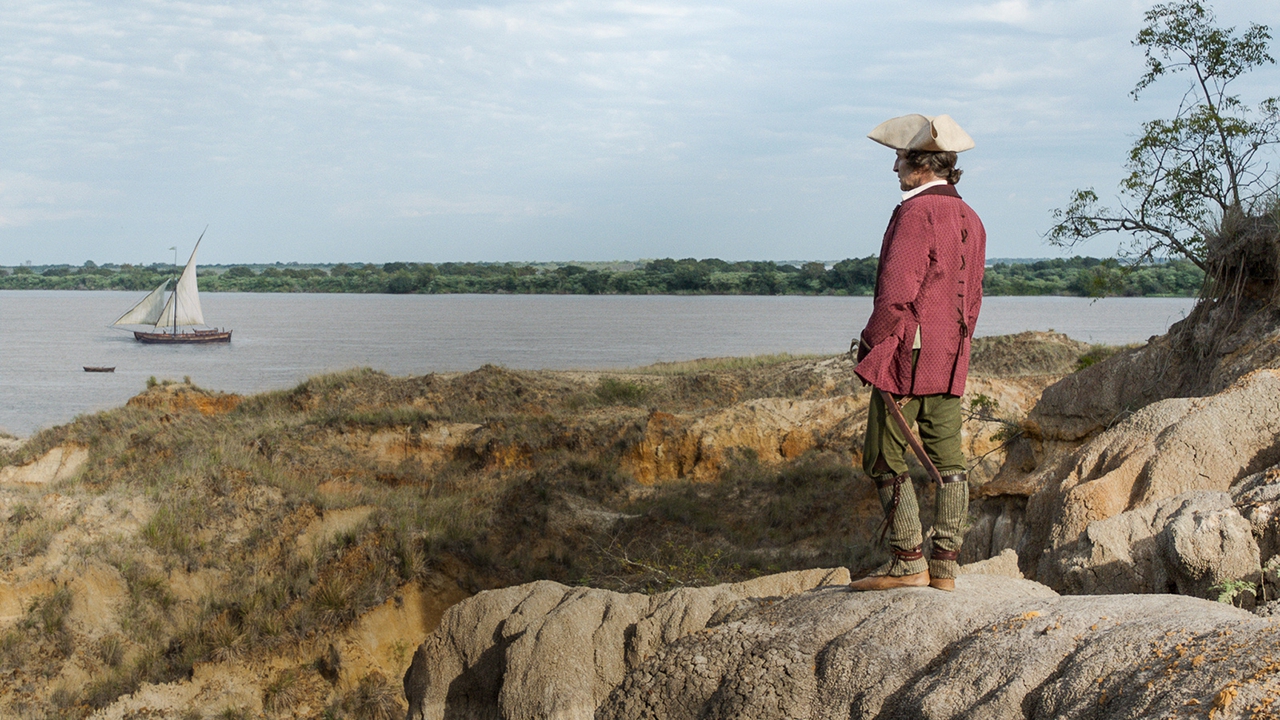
{"x": 177, "y": 321}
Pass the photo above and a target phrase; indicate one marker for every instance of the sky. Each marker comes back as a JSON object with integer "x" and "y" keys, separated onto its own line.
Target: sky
{"x": 320, "y": 132}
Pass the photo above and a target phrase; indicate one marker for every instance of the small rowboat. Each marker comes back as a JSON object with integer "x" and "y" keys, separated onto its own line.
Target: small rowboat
{"x": 96, "y": 368}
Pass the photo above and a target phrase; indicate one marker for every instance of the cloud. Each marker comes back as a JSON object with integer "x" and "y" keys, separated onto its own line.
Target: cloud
{"x": 500, "y": 206}
{"x": 422, "y": 205}
{"x": 28, "y": 200}
{"x": 1009, "y": 12}
{"x": 564, "y": 115}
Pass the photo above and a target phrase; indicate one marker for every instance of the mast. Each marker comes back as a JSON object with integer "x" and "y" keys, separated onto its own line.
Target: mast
{"x": 187, "y": 288}
{"x": 174, "y": 331}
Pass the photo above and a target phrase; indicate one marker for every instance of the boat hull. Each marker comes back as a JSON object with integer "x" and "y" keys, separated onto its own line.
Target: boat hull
{"x": 195, "y": 337}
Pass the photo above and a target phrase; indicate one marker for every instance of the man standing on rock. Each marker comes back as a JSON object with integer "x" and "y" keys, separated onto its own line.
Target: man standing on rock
{"x": 915, "y": 348}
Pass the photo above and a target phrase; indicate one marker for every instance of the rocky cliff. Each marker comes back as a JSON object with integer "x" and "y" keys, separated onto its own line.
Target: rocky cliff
{"x": 801, "y": 646}
{"x": 1138, "y": 474}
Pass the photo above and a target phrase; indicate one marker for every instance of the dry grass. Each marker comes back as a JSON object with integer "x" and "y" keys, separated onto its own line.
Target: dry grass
{"x": 705, "y": 365}
{"x": 229, "y": 492}
{"x": 26, "y": 534}
{"x": 282, "y": 693}
{"x": 373, "y": 698}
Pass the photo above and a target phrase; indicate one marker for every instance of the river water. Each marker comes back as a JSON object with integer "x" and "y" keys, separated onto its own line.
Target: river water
{"x": 281, "y": 339}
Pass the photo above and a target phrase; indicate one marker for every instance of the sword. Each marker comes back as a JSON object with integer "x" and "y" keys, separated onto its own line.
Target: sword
{"x": 912, "y": 440}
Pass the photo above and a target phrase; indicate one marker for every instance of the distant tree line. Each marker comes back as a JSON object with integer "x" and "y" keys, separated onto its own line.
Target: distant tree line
{"x": 1079, "y": 276}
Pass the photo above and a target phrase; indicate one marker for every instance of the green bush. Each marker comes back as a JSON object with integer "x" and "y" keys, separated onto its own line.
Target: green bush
{"x": 613, "y": 391}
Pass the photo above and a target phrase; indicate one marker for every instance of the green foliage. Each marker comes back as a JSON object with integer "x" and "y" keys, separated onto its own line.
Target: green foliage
{"x": 171, "y": 529}
{"x": 1229, "y": 590}
{"x": 1187, "y": 173}
{"x": 691, "y": 533}
{"x": 614, "y": 391}
{"x": 1090, "y": 277}
{"x": 1096, "y": 354}
{"x": 13, "y": 651}
{"x": 982, "y": 408}
{"x": 1075, "y": 276}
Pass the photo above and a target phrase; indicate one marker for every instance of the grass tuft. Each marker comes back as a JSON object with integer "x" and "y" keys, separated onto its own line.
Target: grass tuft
{"x": 373, "y": 698}
{"x": 283, "y": 692}
{"x": 110, "y": 650}
{"x": 1096, "y": 354}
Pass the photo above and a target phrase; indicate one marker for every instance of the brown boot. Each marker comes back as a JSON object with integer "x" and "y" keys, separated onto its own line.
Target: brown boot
{"x": 939, "y": 557}
{"x": 948, "y": 584}
{"x": 889, "y": 582}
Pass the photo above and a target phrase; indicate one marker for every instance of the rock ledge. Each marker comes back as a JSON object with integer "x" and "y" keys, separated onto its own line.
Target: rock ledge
{"x": 802, "y": 646}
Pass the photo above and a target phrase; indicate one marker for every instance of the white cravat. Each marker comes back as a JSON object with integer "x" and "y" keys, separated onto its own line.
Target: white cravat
{"x": 912, "y": 193}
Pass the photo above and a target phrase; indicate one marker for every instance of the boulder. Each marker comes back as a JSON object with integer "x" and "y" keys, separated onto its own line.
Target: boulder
{"x": 1207, "y": 544}
{"x": 545, "y": 650}
{"x": 1185, "y": 544}
{"x": 1082, "y": 404}
{"x": 1006, "y": 564}
{"x": 998, "y": 646}
{"x": 1257, "y": 497}
{"x": 1165, "y": 449}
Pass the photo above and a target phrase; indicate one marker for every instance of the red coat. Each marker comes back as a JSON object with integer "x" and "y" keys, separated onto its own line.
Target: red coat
{"x": 930, "y": 276}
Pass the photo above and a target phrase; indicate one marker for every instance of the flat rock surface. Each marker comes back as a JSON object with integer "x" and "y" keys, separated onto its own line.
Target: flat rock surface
{"x": 998, "y": 647}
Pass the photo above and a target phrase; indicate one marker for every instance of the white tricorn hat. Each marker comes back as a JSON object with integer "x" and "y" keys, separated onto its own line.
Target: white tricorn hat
{"x": 921, "y": 132}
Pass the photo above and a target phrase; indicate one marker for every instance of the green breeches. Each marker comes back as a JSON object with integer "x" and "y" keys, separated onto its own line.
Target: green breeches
{"x": 937, "y": 419}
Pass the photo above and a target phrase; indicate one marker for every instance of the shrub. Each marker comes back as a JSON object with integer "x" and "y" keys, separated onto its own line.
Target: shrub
{"x": 1096, "y": 354}
{"x": 613, "y": 391}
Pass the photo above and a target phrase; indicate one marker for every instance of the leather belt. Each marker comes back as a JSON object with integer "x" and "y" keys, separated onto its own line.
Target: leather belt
{"x": 916, "y": 447}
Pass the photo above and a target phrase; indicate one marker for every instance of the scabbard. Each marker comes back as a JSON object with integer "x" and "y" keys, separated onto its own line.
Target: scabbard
{"x": 892, "y": 406}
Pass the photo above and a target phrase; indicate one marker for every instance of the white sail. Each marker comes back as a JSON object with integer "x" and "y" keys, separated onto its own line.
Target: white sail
{"x": 147, "y": 311}
{"x": 183, "y": 308}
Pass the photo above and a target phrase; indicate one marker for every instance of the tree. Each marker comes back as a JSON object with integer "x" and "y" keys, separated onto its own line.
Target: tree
{"x": 1187, "y": 174}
